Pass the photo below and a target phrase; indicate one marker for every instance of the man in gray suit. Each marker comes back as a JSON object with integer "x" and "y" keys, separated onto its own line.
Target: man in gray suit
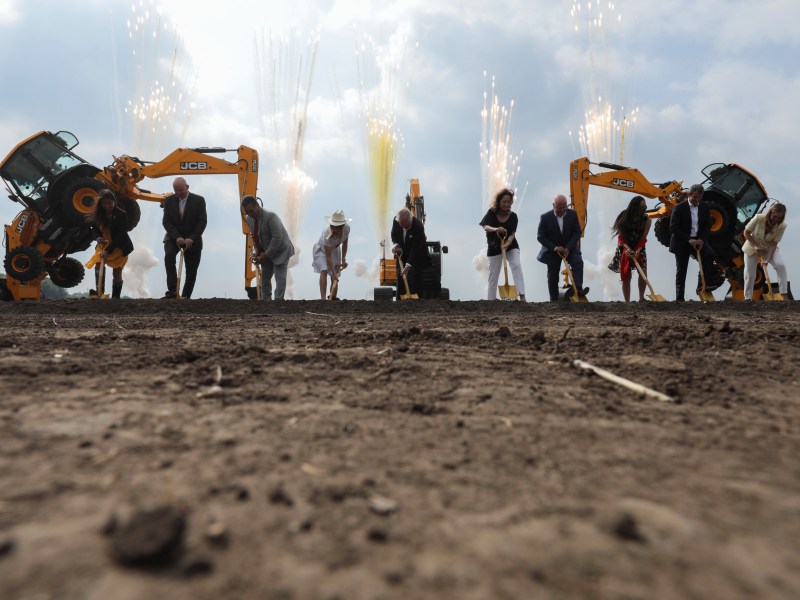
{"x": 272, "y": 247}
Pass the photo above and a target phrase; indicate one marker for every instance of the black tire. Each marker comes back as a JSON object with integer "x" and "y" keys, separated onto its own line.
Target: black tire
{"x": 661, "y": 229}
{"x": 444, "y": 294}
{"x": 66, "y": 272}
{"x": 383, "y": 294}
{"x": 24, "y": 263}
{"x": 131, "y": 207}
{"x": 723, "y": 221}
{"x": 78, "y": 201}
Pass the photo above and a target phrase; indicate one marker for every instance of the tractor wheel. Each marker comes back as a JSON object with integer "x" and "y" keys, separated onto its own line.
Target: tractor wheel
{"x": 79, "y": 200}
{"x": 66, "y": 272}
{"x": 661, "y": 229}
{"x": 24, "y": 263}
{"x": 131, "y": 206}
{"x": 444, "y": 294}
{"x": 723, "y": 219}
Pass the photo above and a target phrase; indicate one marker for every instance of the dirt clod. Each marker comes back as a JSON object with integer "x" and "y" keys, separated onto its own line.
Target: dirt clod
{"x": 151, "y": 538}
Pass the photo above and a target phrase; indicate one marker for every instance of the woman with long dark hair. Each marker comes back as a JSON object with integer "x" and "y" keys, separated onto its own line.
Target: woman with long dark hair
{"x": 631, "y": 228}
{"x": 500, "y": 224}
{"x": 110, "y": 225}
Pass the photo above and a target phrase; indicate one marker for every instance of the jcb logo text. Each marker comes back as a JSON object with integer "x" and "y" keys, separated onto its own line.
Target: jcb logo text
{"x": 194, "y": 166}
{"x": 21, "y": 225}
{"x": 626, "y": 183}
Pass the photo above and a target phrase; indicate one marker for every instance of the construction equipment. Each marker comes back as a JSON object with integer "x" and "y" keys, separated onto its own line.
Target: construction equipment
{"x": 653, "y": 296}
{"x": 733, "y": 194}
{"x": 704, "y": 294}
{"x": 431, "y": 277}
{"x": 58, "y": 190}
{"x": 769, "y": 294}
{"x": 408, "y": 295}
{"x": 575, "y": 296}
{"x": 506, "y": 291}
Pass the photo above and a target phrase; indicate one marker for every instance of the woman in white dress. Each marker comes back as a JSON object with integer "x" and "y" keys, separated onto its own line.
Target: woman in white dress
{"x": 330, "y": 251}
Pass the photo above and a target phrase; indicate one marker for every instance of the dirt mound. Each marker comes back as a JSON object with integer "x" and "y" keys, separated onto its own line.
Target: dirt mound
{"x": 435, "y": 449}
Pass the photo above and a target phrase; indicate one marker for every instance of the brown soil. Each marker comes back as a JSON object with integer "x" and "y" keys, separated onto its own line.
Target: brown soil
{"x": 215, "y": 449}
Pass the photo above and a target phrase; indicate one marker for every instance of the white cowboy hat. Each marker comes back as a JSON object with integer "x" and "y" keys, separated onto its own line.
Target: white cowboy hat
{"x": 337, "y": 219}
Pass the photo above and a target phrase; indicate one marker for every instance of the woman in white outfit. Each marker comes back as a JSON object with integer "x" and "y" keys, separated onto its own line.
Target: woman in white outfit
{"x": 330, "y": 250}
{"x": 500, "y": 224}
{"x": 762, "y": 235}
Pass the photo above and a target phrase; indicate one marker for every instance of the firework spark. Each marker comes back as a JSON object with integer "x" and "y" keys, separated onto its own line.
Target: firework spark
{"x": 284, "y": 73}
{"x": 154, "y": 87}
{"x": 160, "y": 104}
{"x": 380, "y": 72}
{"x": 500, "y": 167}
{"x": 607, "y": 130}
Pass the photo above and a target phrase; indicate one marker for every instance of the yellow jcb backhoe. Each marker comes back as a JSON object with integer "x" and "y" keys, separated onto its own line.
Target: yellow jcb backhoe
{"x": 58, "y": 190}
{"x": 733, "y": 194}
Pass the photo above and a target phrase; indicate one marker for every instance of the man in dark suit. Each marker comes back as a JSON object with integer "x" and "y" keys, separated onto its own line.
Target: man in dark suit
{"x": 408, "y": 236}
{"x": 559, "y": 234}
{"x": 689, "y": 227}
{"x": 184, "y": 221}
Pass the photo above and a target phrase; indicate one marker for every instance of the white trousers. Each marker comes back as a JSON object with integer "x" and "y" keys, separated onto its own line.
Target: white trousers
{"x": 751, "y": 266}
{"x": 496, "y": 265}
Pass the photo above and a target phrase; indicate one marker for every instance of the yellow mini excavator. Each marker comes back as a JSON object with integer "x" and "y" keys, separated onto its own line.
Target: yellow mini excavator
{"x": 431, "y": 275}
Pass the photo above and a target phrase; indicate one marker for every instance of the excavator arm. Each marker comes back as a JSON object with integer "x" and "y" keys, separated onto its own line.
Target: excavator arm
{"x": 126, "y": 172}
{"x": 620, "y": 178}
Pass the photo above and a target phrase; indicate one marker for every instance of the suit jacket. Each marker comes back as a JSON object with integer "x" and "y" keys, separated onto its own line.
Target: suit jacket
{"x": 415, "y": 244}
{"x": 680, "y": 225}
{"x": 272, "y": 236}
{"x": 193, "y": 223}
{"x": 550, "y": 235}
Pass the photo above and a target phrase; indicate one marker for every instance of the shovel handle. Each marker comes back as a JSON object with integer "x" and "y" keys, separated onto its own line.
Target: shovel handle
{"x": 700, "y": 266}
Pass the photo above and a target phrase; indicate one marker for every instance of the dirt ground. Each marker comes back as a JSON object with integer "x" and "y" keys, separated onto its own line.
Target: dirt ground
{"x": 213, "y": 449}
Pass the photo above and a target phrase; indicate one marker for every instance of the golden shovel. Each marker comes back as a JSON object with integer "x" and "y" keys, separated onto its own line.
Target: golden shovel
{"x": 506, "y": 291}
{"x": 704, "y": 294}
{"x": 653, "y": 296}
{"x": 408, "y": 295}
{"x": 769, "y": 295}
{"x": 101, "y": 274}
{"x": 258, "y": 281}
{"x": 180, "y": 271}
{"x": 575, "y": 297}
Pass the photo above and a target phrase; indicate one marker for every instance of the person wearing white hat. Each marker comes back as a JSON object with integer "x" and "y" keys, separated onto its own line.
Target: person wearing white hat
{"x": 330, "y": 250}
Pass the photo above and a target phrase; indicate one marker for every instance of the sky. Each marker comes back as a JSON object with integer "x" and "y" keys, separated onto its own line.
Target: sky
{"x": 716, "y": 81}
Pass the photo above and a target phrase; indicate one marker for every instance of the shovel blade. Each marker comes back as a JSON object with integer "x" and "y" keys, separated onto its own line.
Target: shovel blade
{"x": 657, "y": 298}
{"x": 774, "y": 296}
{"x": 507, "y": 291}
{"x": 409, "y": 297}
{"x": 706, "y": 296}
